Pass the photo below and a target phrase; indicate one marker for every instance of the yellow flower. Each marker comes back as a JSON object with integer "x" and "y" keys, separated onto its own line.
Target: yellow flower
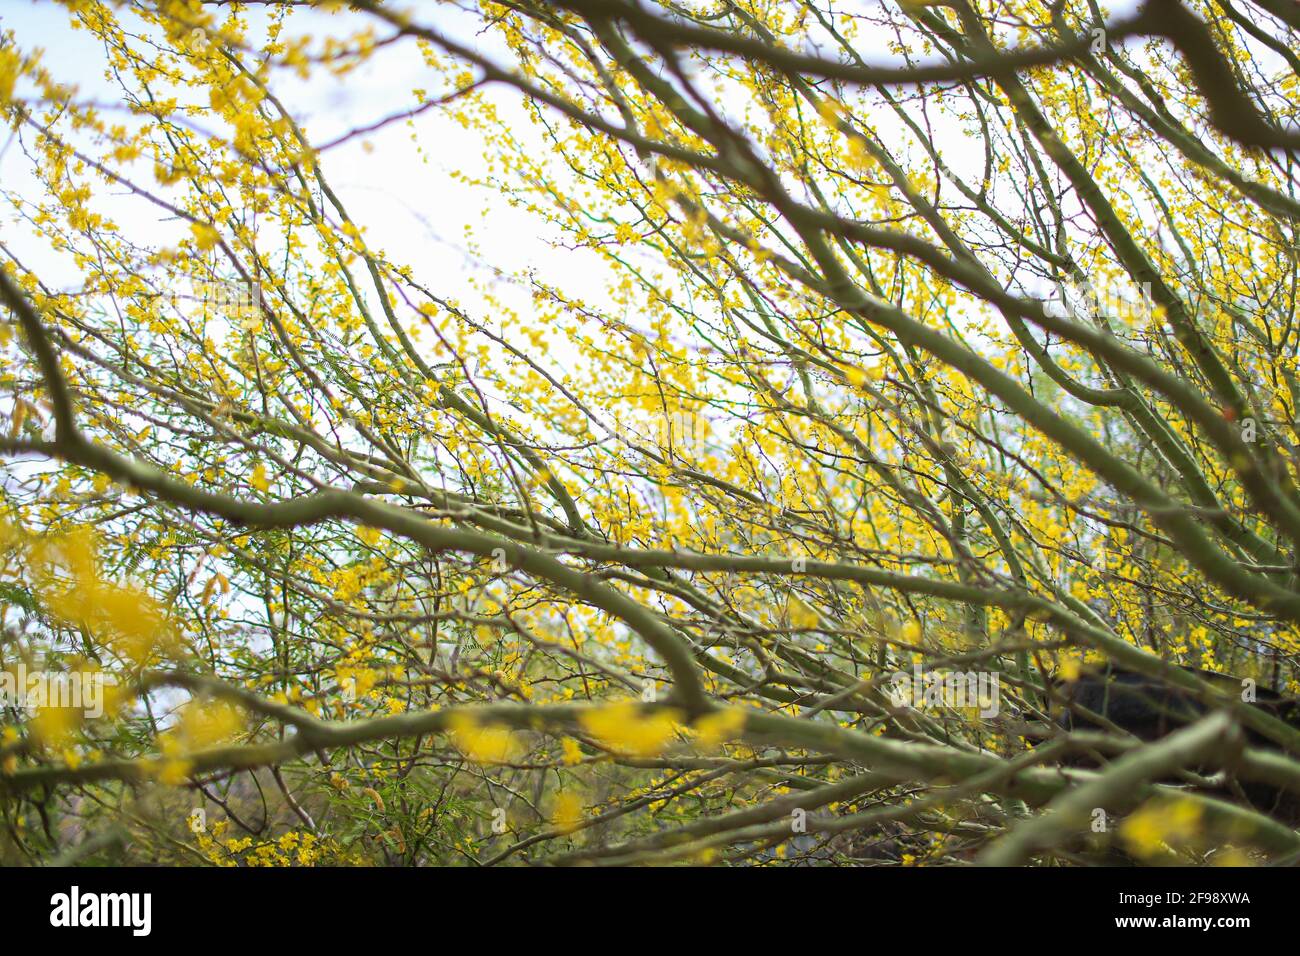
{"x": 485, "y": 743}
{"x": 622, "y": 728}
{"x": 567, "y": 814}
{"x": 67, "y": 577}
{"x": 830, "y": 111}
{"x": 132, "y": 622}
{"x": 174, "y": 772}
{"x": 910, "y": 633}
{"x": 801, "y": 615}
{"x": 572, "y": 752}
{"x": 204, "y": 723}
{"x": 855, "y": 376}
{"x": 258, "y": 478}
{"x": 54, "y": 726}
{"x": 1159, "y": 823}
{"x": 717, "y": 728}
{"x": 205, "y": 237}
{"x": 10, "y": 67}
{"x": 1069, "y": 669}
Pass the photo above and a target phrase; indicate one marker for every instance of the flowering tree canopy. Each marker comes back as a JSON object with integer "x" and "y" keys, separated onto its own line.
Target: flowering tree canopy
{"x": 883, "y": 373}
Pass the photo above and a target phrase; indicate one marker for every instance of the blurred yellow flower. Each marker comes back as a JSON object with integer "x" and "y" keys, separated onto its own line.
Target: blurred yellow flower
{"x": 485, "y": 743}
{"x": 204, "y": 723}
{"x": 55, "y": 726}
{"x": 1158, "y": 824}
{"x": 622, "y": 727}
{"x": 716, "y": 728}
{"x": 572, "y": 751}
{"x": 567, "y": 814}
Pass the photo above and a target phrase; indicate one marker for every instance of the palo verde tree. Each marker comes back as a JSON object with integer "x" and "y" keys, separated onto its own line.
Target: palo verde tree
{"x": 915, "y": 342}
